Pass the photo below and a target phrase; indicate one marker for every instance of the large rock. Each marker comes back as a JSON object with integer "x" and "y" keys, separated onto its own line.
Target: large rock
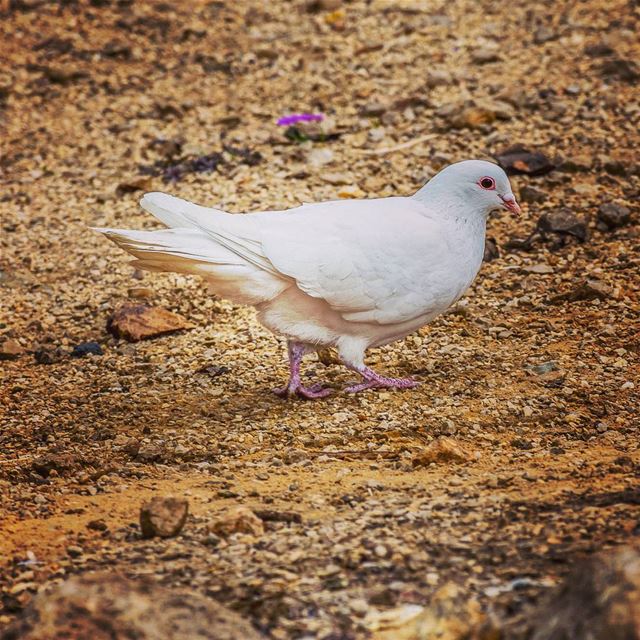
{"x": 163, "y": 517}
{"x": 560, "y": 225}
{"x": 519, "y": 159}
{"x": 612, "y": 215}
{"x": 108, "y": 606}
{"x": 63, "y": 464}
{"x": 589, "y": 289}
{"x": 10, "y": 349}
{"x": 238, "y": 519}
{"x": 135, "y": 322}
{"x": 562, "y": 222}
{"x": 441, "y": 450}
{"x": 599, "y": 600}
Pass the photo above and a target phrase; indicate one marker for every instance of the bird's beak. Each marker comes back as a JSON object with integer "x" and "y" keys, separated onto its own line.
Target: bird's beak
{"x": 509, "y": 202}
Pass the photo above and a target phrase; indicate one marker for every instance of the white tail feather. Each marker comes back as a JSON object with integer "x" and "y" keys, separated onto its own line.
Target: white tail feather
{"x": 193, "y": 252}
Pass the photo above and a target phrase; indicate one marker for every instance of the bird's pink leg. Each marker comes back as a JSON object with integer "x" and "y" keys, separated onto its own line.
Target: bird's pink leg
{"x": 373, "y": 380}
{"x": 294, "y": 386}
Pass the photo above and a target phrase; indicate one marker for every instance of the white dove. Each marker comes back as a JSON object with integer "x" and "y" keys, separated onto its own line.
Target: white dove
{"x": 348, "y": 274}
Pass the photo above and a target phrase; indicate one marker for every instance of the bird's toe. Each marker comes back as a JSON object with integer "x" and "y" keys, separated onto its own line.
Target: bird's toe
{"x": 313, "y": 392}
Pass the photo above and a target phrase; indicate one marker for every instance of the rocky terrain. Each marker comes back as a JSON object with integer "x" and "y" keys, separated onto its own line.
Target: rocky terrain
{"x": 337, "y": 519}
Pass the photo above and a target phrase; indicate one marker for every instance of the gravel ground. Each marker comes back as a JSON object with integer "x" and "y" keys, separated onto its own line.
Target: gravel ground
{"x": 532, "y": 378}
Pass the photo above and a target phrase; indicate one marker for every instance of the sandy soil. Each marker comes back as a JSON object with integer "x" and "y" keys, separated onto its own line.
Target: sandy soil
{"x": 539, "y": 395}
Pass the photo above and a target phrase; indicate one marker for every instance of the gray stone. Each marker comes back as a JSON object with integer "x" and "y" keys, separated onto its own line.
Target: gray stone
{"x": 532, "y": 195}
{"x": 612, "y": 215}
{"x": 562, "y": 222}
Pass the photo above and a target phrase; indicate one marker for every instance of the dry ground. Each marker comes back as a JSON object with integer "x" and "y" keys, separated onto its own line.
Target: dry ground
{"x": 89, "y": 92}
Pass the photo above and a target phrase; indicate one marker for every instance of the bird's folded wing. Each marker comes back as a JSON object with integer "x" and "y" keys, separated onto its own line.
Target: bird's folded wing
{"x": 373, "y": 261}
{"x": 372, "y": 264}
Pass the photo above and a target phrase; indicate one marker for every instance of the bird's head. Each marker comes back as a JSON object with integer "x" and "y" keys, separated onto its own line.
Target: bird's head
{"x": 482, "y": 184}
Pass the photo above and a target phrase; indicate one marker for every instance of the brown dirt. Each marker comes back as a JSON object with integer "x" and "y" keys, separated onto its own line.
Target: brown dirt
{"x": 91, "y": 91}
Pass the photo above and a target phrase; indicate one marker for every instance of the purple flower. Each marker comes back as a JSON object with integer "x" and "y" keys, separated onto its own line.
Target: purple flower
{"x": 294, "y": 118}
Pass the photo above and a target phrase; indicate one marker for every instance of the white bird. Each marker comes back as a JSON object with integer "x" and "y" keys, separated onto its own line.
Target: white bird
{"x": 348, "y": 274}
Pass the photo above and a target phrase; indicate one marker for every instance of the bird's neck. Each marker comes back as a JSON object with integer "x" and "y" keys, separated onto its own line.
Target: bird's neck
{"x": 443, "y": 203}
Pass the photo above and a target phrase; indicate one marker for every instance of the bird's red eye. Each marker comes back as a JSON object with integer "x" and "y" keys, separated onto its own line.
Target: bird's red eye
{"x": 487, "y": 183}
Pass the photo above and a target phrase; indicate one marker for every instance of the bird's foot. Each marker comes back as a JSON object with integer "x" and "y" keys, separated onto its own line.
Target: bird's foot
{"x": 373, "y": 380}
{"x": 308, "y": 393}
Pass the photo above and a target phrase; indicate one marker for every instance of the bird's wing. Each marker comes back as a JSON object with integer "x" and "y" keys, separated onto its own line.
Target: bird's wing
{"x": 374, "y": 261}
